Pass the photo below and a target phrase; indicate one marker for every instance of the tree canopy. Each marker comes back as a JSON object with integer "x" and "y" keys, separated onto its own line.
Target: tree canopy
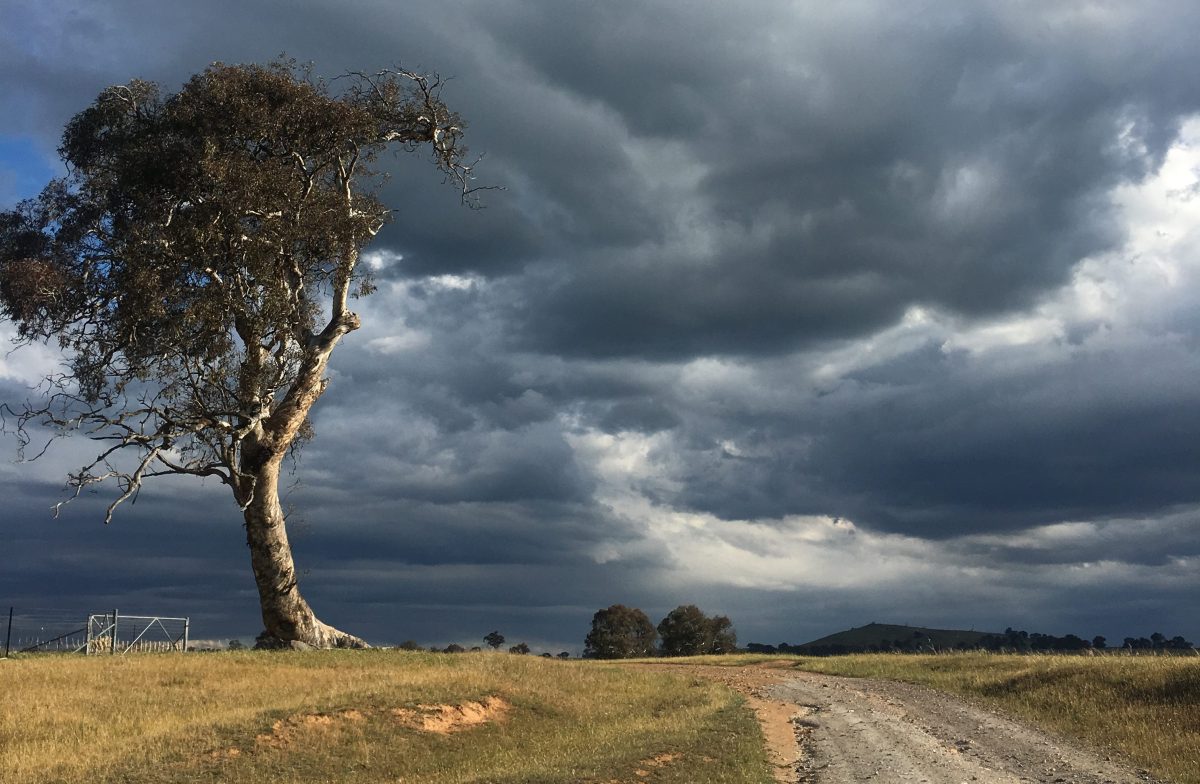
{"x": 687, "y": 631}
{"x": 620, "y": 632}
{"x": 196, "y": 268}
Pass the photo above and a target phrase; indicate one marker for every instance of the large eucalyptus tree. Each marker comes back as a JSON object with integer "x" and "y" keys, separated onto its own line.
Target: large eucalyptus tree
{"x": 196, "y": 267}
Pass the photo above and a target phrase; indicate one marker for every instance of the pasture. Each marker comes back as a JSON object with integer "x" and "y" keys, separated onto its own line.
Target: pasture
{"x": 391, "y": 716}
{"x": 377, "y": 715}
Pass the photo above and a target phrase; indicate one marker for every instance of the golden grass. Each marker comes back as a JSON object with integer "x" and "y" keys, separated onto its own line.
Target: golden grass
{"x": 1145, "y": 708}
{"x": 336, "y": 716}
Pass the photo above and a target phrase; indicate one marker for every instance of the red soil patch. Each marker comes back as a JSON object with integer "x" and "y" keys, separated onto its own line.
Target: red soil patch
{"x": 445, "y": 719}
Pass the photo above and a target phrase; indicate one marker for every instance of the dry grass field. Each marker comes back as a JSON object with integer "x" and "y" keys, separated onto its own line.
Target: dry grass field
{"x": 355, "y": 716}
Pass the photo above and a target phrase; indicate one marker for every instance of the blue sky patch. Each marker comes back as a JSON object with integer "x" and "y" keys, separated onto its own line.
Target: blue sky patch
{"x": 25, "y": 168}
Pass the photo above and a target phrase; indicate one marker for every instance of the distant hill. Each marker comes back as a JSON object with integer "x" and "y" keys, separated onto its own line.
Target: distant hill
{"x": 920, "y": 639}
{"x": 888, "y": 636}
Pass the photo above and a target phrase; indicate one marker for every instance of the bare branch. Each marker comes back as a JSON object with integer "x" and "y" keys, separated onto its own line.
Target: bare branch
{"x": 186, "y": 265}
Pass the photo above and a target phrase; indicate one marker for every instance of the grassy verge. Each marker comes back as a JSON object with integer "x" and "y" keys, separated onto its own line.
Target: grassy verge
{"x": 1146, "y": 708}
{"x": 342, "y": 716}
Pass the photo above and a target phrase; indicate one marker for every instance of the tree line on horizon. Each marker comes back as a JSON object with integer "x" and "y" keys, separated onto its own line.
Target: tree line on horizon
{"x": 620, "y": 632}
{"x": 1012, "y": 640}
{"x": 494, "y": 639}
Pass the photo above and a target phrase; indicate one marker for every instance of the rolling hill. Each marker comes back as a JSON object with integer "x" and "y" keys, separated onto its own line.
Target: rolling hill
{"x": 885, "y": 636}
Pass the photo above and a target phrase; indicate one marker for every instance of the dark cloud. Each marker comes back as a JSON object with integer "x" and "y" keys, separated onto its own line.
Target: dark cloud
{"x": 697, "y": 292}
{"x": 965, "y": 162}
{"x": 933, "y": 443}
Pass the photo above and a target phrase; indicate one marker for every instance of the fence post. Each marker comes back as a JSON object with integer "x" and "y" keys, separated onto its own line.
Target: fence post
{"x": 113, "y": 652}
{"x": 186, "y": 623}
{"x": 8, "y": 636}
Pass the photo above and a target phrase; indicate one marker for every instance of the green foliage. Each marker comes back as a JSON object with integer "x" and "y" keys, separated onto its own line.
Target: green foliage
{"x": 195, "y": 263}
{"x": 520, "y": 649}
{"x": 494, "y": 639}
{"x": 724, "y": 638}
{"x": 687, "y": 631}
{"x": 620, "y": 632}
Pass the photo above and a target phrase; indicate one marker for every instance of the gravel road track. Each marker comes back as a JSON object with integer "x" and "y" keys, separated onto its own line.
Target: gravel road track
{"x": 854, "y": 730}
{"x": 823, "y": 729}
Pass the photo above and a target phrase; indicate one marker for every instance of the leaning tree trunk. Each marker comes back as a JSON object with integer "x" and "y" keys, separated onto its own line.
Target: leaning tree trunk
{"x": 286, "y": 616}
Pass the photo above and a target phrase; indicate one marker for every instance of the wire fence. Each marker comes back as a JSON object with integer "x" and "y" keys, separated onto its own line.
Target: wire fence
{"x": 51, "y": 630}
{"x": 44, "y": 629}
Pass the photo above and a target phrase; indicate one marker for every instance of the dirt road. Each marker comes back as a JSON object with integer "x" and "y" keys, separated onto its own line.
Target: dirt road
{"x": 829, "y": 730}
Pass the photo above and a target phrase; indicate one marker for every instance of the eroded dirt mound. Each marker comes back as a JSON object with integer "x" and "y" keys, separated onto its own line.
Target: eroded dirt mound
{"x": 286, "y": 731}
{"x": 444, "y": 719}
{"x": 307, "y": 727}
{"x": 645, "y": 768}
{"x": 657, "y": 761}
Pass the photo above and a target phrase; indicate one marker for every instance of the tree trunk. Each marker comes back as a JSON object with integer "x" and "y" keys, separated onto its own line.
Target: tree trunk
{"x": 286, "y": 616}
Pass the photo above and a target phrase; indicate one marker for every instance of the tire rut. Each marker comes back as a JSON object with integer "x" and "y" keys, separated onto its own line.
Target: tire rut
{"x": 853, "y": 730}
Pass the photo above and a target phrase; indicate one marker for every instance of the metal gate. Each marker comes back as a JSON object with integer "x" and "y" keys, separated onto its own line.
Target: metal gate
{"x": 113, "y": 633}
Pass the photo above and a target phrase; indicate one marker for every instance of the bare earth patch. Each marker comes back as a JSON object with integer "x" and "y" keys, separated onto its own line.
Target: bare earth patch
{"x": 657, "y": 761}
{"x": 437, "y": 719}
{"x": 284, "y": 732}
{"x": 444, "y": 719}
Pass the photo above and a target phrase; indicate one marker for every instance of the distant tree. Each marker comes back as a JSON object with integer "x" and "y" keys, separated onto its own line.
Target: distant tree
{"x": 454, "y": 648}
{"x": 1070, "y": 642}
{"x": 265, "y": 641}
{"x": 475, "y": 649}
{"x": 196, "y": 268}
{"x": 520, "y": 648}
{"x": 1158, "y": 641}
{"x": 564, "y": 655}
{"x": 687, "y": 631}
{"x": 724, "y": 638}
{"x": 494, "y": 639}
{"x": 619, "y": 632}
{"x": 1179, "y": 643}
{"x": 409, "y": 645}
{"x": 236, "y": 645}
{"x": 547, "y": 655}
{"x": 1099, "y": 643}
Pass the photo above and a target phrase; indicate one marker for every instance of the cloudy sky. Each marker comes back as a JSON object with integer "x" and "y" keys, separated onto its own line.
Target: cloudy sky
{"x": 813, "y": 314}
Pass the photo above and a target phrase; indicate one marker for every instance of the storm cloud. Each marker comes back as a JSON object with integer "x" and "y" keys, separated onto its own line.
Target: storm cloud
{"x": 810, "y": 315}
